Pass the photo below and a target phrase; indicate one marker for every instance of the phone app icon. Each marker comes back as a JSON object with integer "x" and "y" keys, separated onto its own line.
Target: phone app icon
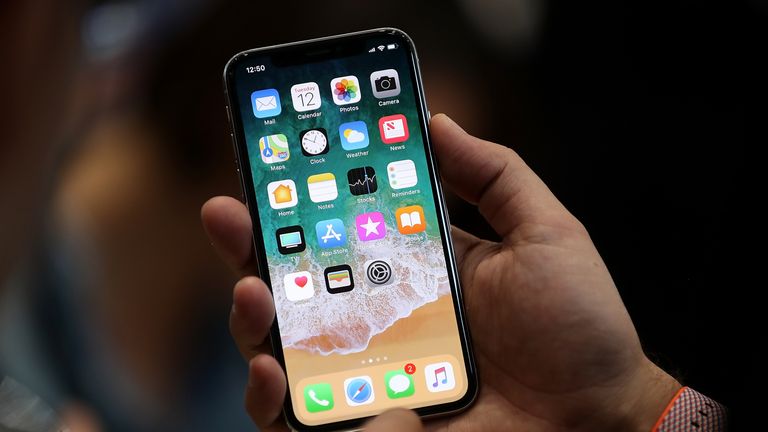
{"x": 379, "y": 273}
{"x": 322, "y": 187}
{"x": 330, "y": 233}
{"x": 298, "y": 286}
{"x": 266, "y": 103}
{"x": 290, "y": 239}
{"x": 370, "y": 226}
{"x": 306, "y": 96}
{"x": 410, "y": 220}
{"x": 354, "y": 135}
{"x": 439, "y": 377}
{"x": 282, "y": 194}
{"x": 318, "y": 397}
{"x": 399, "y": 384}
{"x": 274, "y": 148}
{"x": 393, "y": 129}
{"x": 385, "y": 83}
{"x": 362, "y": 180}
{"x": 358, "y": 390}
{"x": 345, "y": 90}
{"x": 338, "y": 279}
{"x": 314, "y": 142}
{"x": 402, "y": 174}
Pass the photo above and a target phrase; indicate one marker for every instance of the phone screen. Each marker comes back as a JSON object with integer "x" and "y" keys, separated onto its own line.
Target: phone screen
{"x": 349, "y": 227}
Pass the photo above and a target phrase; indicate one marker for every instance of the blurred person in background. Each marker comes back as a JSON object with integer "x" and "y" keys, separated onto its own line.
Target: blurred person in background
{"x": 37, "y": 91}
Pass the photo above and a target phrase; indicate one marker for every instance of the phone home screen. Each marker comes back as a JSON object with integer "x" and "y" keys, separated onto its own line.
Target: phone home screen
{"x": 351, "y": 231}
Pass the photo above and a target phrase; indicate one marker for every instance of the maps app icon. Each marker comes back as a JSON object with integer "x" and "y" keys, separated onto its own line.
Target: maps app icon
{"x": 274, "y": 148}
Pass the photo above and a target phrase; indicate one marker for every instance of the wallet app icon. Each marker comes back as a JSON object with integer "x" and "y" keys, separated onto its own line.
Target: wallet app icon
{"x": 266, "y": 103}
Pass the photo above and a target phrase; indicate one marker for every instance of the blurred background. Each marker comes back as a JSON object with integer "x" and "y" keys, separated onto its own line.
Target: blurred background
{"x": 637, "y": 114}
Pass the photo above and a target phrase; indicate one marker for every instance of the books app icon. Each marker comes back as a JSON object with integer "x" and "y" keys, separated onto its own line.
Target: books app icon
{"x": 410, "y": 220}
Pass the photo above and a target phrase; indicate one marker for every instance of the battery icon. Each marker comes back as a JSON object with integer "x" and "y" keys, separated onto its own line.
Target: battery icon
{"x": 391, "y": 46}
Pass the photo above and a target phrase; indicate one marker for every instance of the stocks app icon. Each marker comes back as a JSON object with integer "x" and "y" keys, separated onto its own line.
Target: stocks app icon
{"x": 362, "y": 180}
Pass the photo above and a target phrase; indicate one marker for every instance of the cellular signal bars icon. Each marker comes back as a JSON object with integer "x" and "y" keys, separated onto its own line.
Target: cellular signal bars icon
{"x": 372, "y": 50}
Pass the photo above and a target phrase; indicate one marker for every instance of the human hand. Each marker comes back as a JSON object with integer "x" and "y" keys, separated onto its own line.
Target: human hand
{"x": 555, "y": 347}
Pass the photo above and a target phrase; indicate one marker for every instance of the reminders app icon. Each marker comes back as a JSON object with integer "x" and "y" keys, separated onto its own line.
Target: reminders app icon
{"x": 266, "y": 103}
{"x": 402, "y": 174}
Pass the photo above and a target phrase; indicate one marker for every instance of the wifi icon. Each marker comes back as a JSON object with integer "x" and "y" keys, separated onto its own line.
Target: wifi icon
{"x": 381, "y": 47}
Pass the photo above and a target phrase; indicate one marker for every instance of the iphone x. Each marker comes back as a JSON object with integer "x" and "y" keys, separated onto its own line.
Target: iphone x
{"x": 350, "y": 228}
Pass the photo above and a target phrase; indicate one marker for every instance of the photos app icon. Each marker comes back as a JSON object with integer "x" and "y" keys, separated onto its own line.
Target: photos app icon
{"x": 345, "y": 90}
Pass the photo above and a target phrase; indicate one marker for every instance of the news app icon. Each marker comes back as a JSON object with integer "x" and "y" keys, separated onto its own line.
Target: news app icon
{"x": 393, "y": 129}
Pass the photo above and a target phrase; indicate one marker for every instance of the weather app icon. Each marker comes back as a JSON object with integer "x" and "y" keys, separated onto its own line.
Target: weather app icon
{"x": 354, "y": 135}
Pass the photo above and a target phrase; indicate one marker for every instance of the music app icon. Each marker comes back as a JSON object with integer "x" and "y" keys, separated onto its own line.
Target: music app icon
{"x": 439, "y": 377}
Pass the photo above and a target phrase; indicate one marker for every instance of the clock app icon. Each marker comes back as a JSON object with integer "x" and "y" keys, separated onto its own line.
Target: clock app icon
{"x": 314, "y": 142}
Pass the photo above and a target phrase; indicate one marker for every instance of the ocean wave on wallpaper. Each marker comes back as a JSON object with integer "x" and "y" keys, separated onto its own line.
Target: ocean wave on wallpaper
{"x": 345, "y": 323}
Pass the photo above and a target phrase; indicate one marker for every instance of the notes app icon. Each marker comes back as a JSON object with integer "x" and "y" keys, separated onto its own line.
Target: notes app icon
{"x": 322, "y": 187}
{"x": 439, "y": 377}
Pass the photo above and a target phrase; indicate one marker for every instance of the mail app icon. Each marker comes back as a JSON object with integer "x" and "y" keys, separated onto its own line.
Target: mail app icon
{"x": 266, "y": 103}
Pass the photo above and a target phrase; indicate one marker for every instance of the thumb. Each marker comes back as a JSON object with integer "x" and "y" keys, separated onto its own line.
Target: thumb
{"x": 399, "y": 419}
{"x": 507, "y": 192}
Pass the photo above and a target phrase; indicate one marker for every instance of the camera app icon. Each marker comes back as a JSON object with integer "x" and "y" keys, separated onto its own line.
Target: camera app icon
{"x": 385, "y": 83}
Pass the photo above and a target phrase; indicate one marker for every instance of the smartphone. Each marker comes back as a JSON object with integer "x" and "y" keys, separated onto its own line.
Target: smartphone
{"x": 350, "y": 228}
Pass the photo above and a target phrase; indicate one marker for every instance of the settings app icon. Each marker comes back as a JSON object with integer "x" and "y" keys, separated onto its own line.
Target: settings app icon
{"x": 379, "y": 272}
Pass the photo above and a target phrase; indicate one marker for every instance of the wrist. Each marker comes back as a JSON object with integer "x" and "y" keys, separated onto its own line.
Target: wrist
{"x": 644, "y": 397}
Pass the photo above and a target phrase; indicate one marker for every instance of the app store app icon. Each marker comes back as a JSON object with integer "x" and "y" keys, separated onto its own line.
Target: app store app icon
{"x": 330, "y": 233}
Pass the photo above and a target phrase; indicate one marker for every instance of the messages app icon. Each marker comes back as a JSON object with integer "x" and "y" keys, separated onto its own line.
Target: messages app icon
{"x": 266, "y": 103}
{"x": 354, "y": 135}
{"x": 399, "y": 384}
